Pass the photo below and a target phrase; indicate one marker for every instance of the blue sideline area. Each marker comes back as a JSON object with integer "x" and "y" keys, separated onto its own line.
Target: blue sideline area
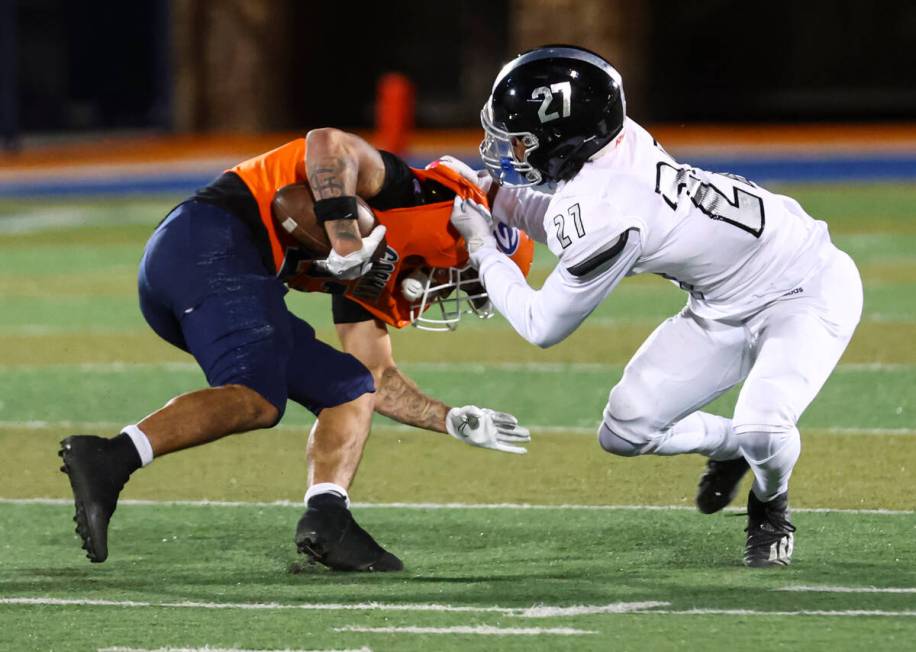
{"x": 897, "y": 167}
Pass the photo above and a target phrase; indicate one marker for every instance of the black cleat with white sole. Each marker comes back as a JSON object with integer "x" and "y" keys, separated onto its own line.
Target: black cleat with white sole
{"x": 719, "y": 484}
{"x": 328, "y": 534}
{"x": 770, "y": 533}
{"x": 96, "y": 477}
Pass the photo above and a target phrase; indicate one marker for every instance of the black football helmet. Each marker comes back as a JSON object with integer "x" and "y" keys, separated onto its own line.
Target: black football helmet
{"x": 550, "y": 109}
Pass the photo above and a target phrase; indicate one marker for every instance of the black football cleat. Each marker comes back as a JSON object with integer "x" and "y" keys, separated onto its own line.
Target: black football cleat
{"x": 96, "y": 480}
{"x": 328, "y": 533}
{"x": 719, "y": 484}
{"x": 770, "y": 533}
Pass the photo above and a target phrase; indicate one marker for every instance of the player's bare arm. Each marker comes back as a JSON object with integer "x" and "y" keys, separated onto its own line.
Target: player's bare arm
{"x": 340, "y": 164}
{"x": 397, "y": 396}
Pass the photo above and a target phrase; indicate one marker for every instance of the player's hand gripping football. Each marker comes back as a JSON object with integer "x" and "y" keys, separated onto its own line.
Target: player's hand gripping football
{"x": 355, "y": 264}
{"x": 487, "y": 429}
{"x": 474, "y": 223}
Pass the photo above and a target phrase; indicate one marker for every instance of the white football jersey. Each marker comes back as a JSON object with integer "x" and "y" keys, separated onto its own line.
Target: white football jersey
{"x": 731, "y": 244}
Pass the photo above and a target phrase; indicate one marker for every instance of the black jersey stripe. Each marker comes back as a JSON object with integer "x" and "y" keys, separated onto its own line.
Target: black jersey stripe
{"x": 589, "y": 265}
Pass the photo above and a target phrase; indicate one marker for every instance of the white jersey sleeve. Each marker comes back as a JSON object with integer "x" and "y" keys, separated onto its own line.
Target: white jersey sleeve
{"x": 584, "y": 277}
{"x": 580, "y": 220}
{"x": 523, "y": 208}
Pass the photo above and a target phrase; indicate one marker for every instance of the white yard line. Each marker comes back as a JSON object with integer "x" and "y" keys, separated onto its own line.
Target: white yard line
{"x": 847, "y": 589}
{"x": 545, "y": 611}
{"x": 39, "y": 424}
{"x": 850, "y": 613}
{"x": 905, "y": 432}
{"x": 435, "y": 506}
{"x": 483, "y": 630}
{"x": 536, "y": 611}
{"x": 104, "y": 367}
{"x": 636, "y": 508}
{"x": 875, "y": 366}
{"x": 57, "y": 217}
{"x": 591, "y": 431}
{"x": 41, "y": 330}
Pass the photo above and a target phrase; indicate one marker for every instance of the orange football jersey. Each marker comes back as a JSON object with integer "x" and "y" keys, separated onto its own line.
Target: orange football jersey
{"x": 265, "y": 175}
{"x": 417, "y": 236}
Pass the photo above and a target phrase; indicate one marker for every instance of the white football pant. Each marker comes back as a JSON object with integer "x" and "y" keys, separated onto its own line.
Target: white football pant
{"x": 784, "y": 354}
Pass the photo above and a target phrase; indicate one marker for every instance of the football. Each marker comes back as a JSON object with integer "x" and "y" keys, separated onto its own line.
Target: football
{"x": 293, "y": 208}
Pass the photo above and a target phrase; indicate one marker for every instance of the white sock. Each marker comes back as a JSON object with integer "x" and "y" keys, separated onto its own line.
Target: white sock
{"x": 141, "y": 443}
{"x": 327, "y": 488}
{"x": 703, "y": 433}
{"x": 772, "y": 456}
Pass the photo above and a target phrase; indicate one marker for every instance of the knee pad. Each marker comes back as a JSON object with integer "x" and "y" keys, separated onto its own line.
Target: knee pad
{"x": 626, "y": 429}
{"x": 616, "y": 445}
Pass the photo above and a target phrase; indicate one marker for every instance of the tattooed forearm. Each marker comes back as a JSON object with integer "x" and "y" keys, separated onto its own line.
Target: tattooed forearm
{"x": 335, "y": 176}
{"x": 399, "y": 398}
{"x": 331, "y": 176}
{"x": 343, "y": 230}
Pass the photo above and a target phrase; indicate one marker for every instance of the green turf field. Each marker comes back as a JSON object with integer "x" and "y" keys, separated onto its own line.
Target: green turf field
{"x": 617, "y": 538}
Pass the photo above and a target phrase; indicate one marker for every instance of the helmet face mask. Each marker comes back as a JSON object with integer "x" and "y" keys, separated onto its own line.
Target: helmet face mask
{"x": 506, "y": 153}
{"x": 449, "y": 293}
{"x": 549, "y": 111}
{"x": 436, "y": 297}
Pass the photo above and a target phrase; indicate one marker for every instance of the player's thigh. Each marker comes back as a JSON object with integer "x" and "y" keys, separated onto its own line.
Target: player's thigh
{"x": 203, "y": 272}
{"x": 320, "y": 376}
{"x": 166, "y": 275}
{"x": 795, "y": 353}
{"x": 160, "y": 318}
{"x": 799, "y": 342}
{"x": 198, "y": 250}
{"x": 684, "y": 364}
{"x": 243, "y": 337}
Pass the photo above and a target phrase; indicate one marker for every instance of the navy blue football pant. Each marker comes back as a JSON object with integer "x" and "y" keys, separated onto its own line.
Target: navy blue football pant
{"x": 205, "y": 288}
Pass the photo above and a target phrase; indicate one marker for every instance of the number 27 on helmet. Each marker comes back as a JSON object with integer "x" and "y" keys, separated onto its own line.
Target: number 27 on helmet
{"x": 550, "y": 110}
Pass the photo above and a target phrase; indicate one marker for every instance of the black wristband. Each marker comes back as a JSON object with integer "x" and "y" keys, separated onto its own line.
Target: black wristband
{"x": 336, "y": 208}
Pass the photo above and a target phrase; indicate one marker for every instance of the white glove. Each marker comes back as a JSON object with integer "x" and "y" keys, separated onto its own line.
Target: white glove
{"x": 480, "y": 178}
{"x": 487, "y": 429}
{"x": 474, "y": 223}
{"x": 355, "y": 264}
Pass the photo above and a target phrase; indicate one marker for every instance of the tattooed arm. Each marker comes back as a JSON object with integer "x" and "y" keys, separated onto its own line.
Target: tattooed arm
{"x": 396, "y": 395}
{"x": 340, "y": 164}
